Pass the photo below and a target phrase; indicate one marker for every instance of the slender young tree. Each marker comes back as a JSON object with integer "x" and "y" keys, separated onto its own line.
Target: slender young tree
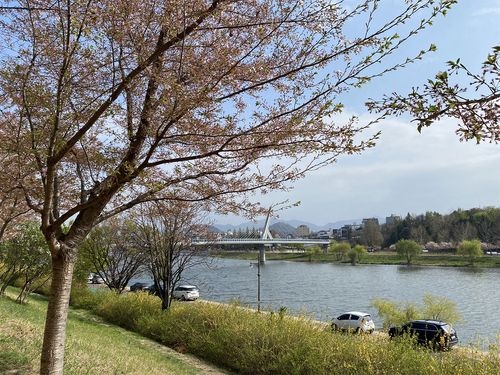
{"x": 164, "y": 231}
{"x": 25, "y": 256}
{"x": 470, "y": 250}
{"x": 109, "y": 104}
{"x": 408, "y": 250}
{"x": 32, "y": 250}
{"x": 113, "y": 254}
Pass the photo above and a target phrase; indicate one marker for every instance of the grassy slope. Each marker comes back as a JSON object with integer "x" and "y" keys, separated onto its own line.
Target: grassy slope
{"x": 92, "y": 347}
{"x": 381, "y": 257}
{"x": 260, "y": 344}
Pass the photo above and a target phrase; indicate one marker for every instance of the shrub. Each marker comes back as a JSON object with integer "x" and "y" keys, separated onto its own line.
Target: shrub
{"x": 356, "y": 253}
{"x": 408, "y": 250}
{"x": 434, "y": 307}
{"x": 340, "y": 249}
{"x": 470, "y": 250}
{"x": 127, "y": 311}
{"x": 262, "y": 343}
{"x": 84, "y": 298}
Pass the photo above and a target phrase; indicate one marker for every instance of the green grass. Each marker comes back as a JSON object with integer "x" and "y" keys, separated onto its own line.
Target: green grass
{"x": 230, "y": 336}
{"x": 273, "y": 343}
{"x": 92, "y": 346}
{"x": 379, "y": 257}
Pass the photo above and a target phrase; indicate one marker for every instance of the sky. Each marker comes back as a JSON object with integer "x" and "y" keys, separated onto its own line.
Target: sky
{"x": 408, "y": 172}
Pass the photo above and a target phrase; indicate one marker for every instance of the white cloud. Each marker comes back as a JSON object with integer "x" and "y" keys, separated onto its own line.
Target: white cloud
{"x": 405, "y": 172}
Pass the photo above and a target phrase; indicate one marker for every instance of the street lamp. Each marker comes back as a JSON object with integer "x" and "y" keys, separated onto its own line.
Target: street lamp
{"x": 258, "y": 281}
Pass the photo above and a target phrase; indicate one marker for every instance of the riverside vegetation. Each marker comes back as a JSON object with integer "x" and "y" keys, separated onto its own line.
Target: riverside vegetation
{"x": 378, "y": 257}
{"x": 229, "y": 336}
{"x": 273, "y": 343}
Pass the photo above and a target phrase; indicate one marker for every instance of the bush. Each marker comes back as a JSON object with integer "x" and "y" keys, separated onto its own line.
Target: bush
{"x": 84, "y": 298}
{"x": 340, "y": 249}
{"x": 129, "y": 310}
{"x": 434, "y": 307}
{"x": 470, "y": 250}
{"x": 273, "y": 343}
{"x": 356, "y": 254}
{"x": 408, "y": 250}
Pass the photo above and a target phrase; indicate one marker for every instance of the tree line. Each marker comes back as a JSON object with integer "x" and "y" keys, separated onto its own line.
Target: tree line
{"x": 482, "y": 224}
{"x": 446, "y": 230}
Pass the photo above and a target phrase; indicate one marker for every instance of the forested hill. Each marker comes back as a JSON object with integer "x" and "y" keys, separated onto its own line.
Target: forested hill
{"x": 476, "y": 223}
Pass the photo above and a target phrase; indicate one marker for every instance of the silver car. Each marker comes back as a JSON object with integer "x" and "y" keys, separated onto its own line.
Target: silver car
{"x": 354, "y": 321}
{"x": 186, "y": 292}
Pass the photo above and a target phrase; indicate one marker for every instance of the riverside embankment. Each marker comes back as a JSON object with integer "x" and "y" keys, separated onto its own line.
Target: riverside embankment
{"x": 324, "y": 290}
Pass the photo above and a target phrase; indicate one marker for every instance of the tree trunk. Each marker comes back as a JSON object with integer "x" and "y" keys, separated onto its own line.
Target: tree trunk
{"x": 57, "y": 313}
{"x": 20, "y": 297}
{"x": 165, "y": 304}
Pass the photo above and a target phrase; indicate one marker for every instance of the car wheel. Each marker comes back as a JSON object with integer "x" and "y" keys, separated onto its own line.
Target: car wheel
{"x": 357, "y": 331}
{"x": 183, "y": 297}
{"x": 334, "y": 327}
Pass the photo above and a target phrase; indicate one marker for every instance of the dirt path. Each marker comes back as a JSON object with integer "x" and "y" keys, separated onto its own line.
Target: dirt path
{"x": 204, "y": 367}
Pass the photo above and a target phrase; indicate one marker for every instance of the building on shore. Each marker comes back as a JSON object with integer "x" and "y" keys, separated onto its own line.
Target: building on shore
{"x": 389, "y": 220}
{"x": 303, "y": 231}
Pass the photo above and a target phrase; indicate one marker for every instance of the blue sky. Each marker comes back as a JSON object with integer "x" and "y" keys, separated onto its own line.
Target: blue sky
{"x": 408, "y": 171}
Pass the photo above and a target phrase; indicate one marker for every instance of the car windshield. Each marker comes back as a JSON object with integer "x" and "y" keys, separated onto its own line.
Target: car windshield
{"x": 367, "y": 318}
{"x": 447, "y": 328}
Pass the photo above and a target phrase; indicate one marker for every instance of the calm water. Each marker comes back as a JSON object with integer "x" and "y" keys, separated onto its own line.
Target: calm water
{"x": 325, "y": 290}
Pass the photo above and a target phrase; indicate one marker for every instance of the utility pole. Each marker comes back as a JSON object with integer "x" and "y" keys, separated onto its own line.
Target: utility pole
{"x": 258, "y": 281}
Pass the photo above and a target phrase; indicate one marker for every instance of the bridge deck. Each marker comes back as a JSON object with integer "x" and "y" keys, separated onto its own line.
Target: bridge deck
{"x": 262, "y": 241}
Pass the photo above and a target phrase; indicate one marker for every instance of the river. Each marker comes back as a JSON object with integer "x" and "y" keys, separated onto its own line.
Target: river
{"x": 324, "y": 290}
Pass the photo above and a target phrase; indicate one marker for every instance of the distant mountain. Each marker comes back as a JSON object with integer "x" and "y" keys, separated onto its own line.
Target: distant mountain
{"x": 283, "y": 230}
{"x": 293, "y": 223}
{"x": 214, "y": 229}
{"x": 247, "y": 224}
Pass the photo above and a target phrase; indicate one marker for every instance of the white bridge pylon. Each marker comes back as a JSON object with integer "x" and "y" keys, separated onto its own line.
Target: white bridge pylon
{"x": 266, "y": 235}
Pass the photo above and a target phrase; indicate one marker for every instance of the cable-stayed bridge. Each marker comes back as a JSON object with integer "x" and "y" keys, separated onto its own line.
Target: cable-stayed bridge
{"x": 266, "y": 240}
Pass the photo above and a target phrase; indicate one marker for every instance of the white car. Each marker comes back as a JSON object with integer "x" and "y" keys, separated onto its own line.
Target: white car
{"x": 354, "y": 321}
{"x": 96, "y": 279}
{"x": 186, "y": 292}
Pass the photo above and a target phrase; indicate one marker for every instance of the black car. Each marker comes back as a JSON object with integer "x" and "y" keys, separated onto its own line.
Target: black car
{"x": 433, "y": 333}
{"x": 138, "y": 287}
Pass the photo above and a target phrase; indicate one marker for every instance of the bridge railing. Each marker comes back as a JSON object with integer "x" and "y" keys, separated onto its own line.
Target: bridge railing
{"x": 261, "y": 241}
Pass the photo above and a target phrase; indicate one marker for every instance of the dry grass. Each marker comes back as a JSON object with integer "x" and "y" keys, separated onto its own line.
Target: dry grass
{"x": 92, "y": 346}
{"x": 274, "y": 343}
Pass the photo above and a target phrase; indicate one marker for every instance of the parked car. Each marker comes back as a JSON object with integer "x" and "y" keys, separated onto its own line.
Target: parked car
{"x": 152, "y": 290}
{"x": 354, "y": 321}
{"x": 186, "y": 292}
{"x": 433, "y": 333}
{"x": 96, "y": 279}
{"x": 138, "y": 287}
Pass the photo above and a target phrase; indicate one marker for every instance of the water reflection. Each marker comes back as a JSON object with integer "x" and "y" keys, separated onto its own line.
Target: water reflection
{"x": 471, "y": 270}
{"x": 410, "y": 268}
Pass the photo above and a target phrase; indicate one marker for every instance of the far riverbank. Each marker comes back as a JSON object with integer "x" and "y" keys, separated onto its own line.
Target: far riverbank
{"x": 378, "y": 257}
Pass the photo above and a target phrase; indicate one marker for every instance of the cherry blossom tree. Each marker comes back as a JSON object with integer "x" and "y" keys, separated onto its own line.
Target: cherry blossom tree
{"x": 164, "y": 231}
{"x": 109, "y": 104}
